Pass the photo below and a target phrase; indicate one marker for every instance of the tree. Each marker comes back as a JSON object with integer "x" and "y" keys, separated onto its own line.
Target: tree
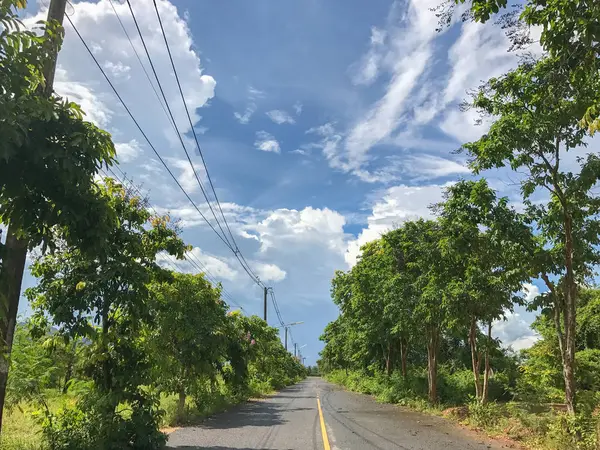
{"x": 484, "y": 267}
{"x": 48, "y": 158}
{"x": 569, "y": 33}
{"x": 536, "y": 109}
{"x": 187, "y": 337}
{"x": 105, "y": 297}
{"x": 417, "y": 243}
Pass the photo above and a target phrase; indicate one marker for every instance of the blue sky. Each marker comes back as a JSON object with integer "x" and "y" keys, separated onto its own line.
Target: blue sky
{"x": 323, "y": 124}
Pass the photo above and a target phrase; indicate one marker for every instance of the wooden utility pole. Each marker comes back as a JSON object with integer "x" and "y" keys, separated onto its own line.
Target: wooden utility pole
{"x": 15, "y": 249}
{"x": 265, "y": 304}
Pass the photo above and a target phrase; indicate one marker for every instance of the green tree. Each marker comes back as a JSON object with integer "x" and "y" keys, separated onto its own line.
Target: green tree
{"x": 535, "y": 109}
{"x": 187, "y": 336}
{"x": 484, "y": 267}
{"x": 418, "y": 244}
{"x": 569, "y": 33}
{"x": 48, "y": 158}
{"x": 111, "y": 290}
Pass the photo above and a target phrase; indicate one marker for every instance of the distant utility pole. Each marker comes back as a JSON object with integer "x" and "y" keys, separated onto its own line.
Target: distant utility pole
{"x": 286, "y": 338}
{"x": 265, "y": 304}
{"x": 15, "y": 248}
{"x": 295, "y": 349}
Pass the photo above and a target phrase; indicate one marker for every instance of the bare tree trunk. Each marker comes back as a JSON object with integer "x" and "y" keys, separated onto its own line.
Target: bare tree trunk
{"x": 403, "y": 355}
{"x": 569, "y": 317}
{"x": 389, "y": 365}
{"x": 486, "y": 376}
{"x": 70, "y": 363}
{"x": 432, "y": 348}
{"x": 11, "y": 279}
{"x": 181, "y": 404}
{"x": 560, "y": 313}
{"x": 475, "y": 356}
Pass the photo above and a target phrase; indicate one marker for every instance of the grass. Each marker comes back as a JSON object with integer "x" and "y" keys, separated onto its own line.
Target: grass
{"x": 21, "y": 431}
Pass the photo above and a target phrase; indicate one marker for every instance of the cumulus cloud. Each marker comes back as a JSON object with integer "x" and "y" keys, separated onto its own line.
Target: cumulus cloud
{"x": 128, "y": 151}
{"x": 530, "y": 291}
{"x": 266, "y": 142}
{"x": 78, "y": 79}
{"x": 280, "y": 117}
{"x": 514, "y": 332}
{"x": 186, "y": 177}
{"x": 396, "y": 205}
{"x": 298, "y": 108}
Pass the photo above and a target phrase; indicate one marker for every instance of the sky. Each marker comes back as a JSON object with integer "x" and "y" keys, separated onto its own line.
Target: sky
{"x": 322, "y": 123}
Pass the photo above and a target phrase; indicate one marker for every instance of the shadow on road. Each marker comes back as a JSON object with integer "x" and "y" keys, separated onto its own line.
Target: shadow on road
{"x": 255, "y": 414}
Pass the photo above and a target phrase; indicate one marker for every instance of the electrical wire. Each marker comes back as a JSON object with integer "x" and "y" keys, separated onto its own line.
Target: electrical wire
{"x": 236, "y": 252}
{"x": 179, "y": 134}
{"x": 190, "y": 121}
{"x": 190, "y": 257}
{"x": 137, "y": 55}
{"x": 240, "y": 258}
{"x": 146, "y": 137}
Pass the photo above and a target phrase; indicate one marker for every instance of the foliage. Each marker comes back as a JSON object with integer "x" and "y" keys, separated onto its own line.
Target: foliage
{"x": 569, "y": 33}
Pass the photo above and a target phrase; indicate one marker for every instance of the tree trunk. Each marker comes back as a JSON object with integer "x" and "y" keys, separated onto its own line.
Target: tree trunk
{"x": 11, "y": 278}
{"x": 432, "y": 348}
{"x": 389, "y": 366}
{"x": 569, "y": 317}
{"x": 486, "y": 376}
{"x": 475, "y": 357}
{"x": 181, "y": 405}
{"x": 403, "y": 355}
{"x": 69, "y": 371}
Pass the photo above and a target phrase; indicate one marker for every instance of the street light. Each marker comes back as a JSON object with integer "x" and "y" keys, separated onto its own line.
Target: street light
{"x": 286, "y": 326}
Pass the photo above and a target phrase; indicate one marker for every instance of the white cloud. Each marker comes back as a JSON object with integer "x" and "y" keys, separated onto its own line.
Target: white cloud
{"x": 427, "y": 167}
{"x": 266, "y": 142}
{"x": 247, "y": 115}
{"x": 118, "y": 69}
{"x": 403, "y": 49}
{"x": 268, "y": 272}
{"x": 80, "y": 80}
{"x": 514, "y": 332}
{"x": 215, "y": 266}
{"x": 396, "y": 205}
{"x": 530, "y": 291}
{"x": 128, "y": 151}
{"x": 186, "y": 177}
{"x": 280, "y": 117}
{"x": 298, "y": 108}
{"x": 368, "y": 68}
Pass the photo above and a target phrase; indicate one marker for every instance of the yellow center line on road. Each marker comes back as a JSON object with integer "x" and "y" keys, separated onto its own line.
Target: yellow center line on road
{"x": 323, "y": 430}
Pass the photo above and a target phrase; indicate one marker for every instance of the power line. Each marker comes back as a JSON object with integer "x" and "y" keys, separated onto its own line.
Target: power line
{"x": 139, "y": 60}
{"x": 174, "y": 123}
{"x": 190, "y": 257}
{"x": 190, "y": 122}
{"x": 237, "y": 251}
{"x": 145, "y": 136}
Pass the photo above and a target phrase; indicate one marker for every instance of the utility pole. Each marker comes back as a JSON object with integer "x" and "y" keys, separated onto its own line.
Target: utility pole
{"x": 286, "y": 338}
{"x": 265, "y": 304}
{"x": 295, "y": 349}
{"x": 15, "y": 249}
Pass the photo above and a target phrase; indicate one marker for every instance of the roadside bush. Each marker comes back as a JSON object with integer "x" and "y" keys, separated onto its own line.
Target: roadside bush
{"x": 96, "y": 423}
{"x": 486, "y": 415}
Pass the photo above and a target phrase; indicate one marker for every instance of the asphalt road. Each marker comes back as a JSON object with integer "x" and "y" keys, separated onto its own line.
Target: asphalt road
{"x": 291, "y": 420}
